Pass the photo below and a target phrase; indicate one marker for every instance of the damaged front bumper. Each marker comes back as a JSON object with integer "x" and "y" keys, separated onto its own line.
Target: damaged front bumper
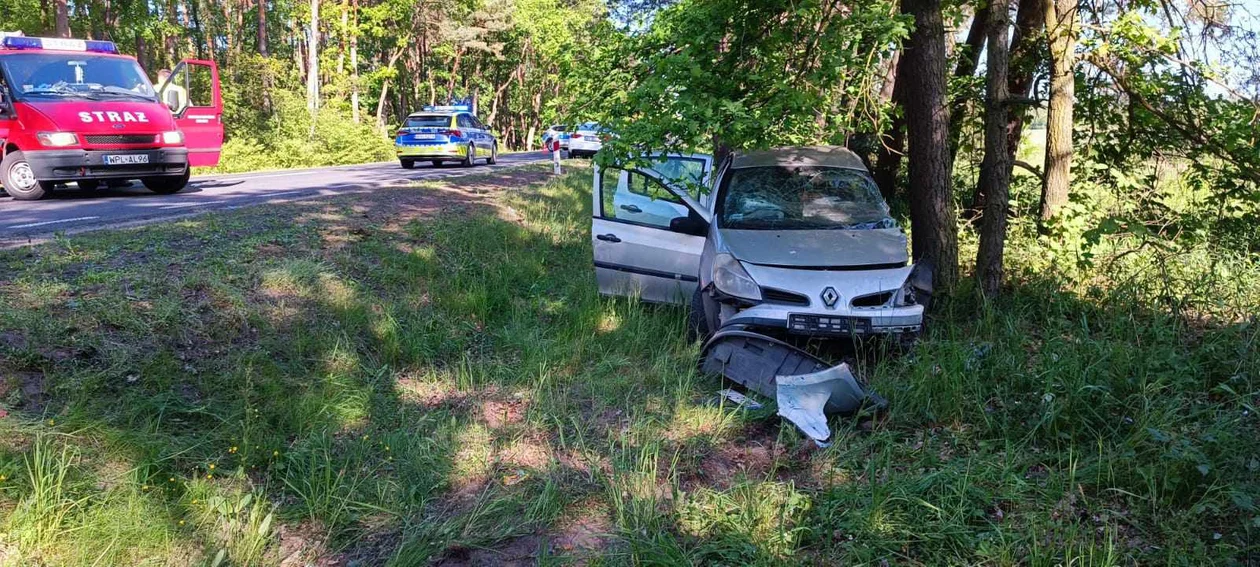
{"x": 806, "y": 388}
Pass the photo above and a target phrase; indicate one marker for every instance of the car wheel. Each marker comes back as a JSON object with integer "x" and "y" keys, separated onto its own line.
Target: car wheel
{"x": 167, "y": 185}
{"x": 494, "y": 155}
{"x": 471, "y": 156}
{"x": 697, "y": 321}
{"x": 407, "y": 163}
{"x": 19, "y": 180}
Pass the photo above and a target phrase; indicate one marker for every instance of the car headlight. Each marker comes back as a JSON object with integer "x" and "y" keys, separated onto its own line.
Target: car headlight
{"x": 58, "y": 139}
{"x": 731, "y": 278}
{"x": 173, "y": 137}
{"x": 905, "y": 296}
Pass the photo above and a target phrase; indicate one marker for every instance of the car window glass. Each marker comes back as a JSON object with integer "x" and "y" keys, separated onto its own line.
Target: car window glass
{"x": 682, "y": 172}
{"x": 800, "y": 197}
{"x": 428, "y": 121}
{"x": 463, "y": 121}
{"x": 635, "y": 197}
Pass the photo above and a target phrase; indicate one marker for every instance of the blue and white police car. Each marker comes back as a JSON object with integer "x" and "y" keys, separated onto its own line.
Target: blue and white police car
{"x": 445, "y": 133}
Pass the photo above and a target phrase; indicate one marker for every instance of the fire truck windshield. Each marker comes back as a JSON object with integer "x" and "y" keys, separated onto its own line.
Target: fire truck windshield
{"x": 48, "y": 76}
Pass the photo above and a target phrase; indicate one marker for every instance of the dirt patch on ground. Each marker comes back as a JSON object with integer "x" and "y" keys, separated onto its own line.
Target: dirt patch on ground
{"x": 518, "y": 552}
{"x": 303, "y": 545}
{"x": 24, "y": 389}
{"x": 585, "y": 531}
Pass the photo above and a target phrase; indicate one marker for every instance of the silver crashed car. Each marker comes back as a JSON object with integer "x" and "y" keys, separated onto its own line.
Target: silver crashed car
{"x": 790, "y": 240}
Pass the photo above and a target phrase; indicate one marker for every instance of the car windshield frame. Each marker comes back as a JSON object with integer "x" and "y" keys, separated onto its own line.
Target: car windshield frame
{"x": 446, "y": 124}
{"x": 863, "y": 206}
{"x": 23, "y": 89}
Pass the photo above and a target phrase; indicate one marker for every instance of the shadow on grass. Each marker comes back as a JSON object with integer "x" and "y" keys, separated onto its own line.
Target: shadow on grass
{"x": 422, "y": 376}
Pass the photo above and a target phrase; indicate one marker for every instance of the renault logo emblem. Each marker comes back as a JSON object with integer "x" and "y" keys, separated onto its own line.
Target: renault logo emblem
{"x": 830, "y": 297}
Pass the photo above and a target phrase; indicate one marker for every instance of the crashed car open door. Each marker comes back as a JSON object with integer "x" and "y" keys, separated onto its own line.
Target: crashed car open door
{"x": 647, "y": 230}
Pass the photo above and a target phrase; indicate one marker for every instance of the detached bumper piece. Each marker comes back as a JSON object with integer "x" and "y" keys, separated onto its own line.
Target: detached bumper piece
{"x": 805, "y": 388}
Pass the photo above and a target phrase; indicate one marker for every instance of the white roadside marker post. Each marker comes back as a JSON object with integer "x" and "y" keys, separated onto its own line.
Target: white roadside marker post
{"x": 555, "y": 157}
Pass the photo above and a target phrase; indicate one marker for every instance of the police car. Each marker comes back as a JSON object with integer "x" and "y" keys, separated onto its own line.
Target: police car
{"x": 445, "y": 133}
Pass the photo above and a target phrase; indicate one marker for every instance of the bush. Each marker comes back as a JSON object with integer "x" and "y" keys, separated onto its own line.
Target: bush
{"x": 287, "y": 137}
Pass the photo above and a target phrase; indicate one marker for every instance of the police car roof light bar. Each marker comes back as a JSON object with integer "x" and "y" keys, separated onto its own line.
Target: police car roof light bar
{"x": 18, "y": 42}
{"x": 448, "y": 108}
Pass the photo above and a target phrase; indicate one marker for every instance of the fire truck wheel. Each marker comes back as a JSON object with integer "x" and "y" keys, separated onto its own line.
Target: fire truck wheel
{"x": 19, "y": 179}
{"x": 166, "y": 185}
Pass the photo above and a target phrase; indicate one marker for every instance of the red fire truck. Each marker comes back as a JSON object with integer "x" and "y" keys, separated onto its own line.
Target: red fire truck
{"x": 75, "y": 110}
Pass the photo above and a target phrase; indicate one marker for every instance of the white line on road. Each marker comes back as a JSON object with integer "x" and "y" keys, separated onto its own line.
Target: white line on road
{"x": 46, "y": 223}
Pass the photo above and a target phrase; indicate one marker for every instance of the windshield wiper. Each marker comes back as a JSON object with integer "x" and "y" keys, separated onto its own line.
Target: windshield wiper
{"x": 43, "y": 92}
{"x": 125, "y": 93}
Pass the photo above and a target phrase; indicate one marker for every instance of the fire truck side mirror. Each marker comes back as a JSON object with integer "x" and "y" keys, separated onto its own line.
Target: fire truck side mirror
{"x": 172, "y": 99}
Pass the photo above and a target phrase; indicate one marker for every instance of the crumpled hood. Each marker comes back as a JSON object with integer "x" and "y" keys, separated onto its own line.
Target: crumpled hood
{"x": 817, "y": 248}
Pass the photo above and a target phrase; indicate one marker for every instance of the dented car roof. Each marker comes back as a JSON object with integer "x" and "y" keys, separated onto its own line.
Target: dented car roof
{"x": 817, "y": 156}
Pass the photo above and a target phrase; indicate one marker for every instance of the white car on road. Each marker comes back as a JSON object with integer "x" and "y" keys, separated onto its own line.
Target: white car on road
{"x": 586, "y": 140}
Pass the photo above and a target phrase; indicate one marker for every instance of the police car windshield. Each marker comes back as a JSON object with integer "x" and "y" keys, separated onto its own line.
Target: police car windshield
{"x": 75, "y": 75}
{"x": 429, "y": 121}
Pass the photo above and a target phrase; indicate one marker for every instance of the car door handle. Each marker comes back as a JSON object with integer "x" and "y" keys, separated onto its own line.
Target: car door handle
{"x": 631, "y": 208}
{"x": 608, "y": 237}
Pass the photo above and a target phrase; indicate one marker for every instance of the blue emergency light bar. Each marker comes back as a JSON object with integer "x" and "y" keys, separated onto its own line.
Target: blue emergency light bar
{"x": 58, "y": 44}
{"x": 449, "y": 108}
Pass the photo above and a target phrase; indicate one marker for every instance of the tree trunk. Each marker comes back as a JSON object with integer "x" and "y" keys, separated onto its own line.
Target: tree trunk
{"x": 63, "y": 18}
{"x": 1061, "y": 30}
{"x": 933, "y": 223}
{"x": 354, "y": 65}
{"x": 995, "y": 170}
{"x": 312, "y": 67}
{"x": 968, "y": 62}
{"x": 262, "y": 28}
{"x": 1023, "y": 60}
{"x": 893, "y": 145}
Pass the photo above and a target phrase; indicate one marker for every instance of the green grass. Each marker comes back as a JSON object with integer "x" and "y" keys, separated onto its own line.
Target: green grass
{"x": 428, "y": 374}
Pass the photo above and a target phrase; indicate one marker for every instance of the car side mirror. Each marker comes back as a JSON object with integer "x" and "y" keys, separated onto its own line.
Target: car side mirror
{"x": 172, "y": 99}
{"x": 691, "y": 224}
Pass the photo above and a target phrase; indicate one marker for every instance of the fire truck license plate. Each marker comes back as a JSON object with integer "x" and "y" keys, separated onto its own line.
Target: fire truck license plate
{"x": 126, "y": 159}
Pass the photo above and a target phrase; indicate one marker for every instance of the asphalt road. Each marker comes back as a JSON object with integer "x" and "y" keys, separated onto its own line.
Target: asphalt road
{"x": 71, "y": 210}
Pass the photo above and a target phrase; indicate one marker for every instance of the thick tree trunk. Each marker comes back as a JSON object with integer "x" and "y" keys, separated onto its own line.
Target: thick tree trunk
{"x": 932, "y": 218}
{"x": 968, "y": 62}
{"x": 1061, "y": 30}
{"x": 995, "y": 170}
{"x": 62, "y": 18}
{"x": 312, "y": 67}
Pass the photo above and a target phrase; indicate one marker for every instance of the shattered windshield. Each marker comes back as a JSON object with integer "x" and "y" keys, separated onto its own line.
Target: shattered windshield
{"x": 81, "y": 76}
{"x": 802, "y": 197}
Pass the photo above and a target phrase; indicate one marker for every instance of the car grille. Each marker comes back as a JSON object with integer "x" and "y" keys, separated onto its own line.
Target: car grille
{"x": 873, "y": 300}
{"x": 779, "y": 296}
{"x": 104, "y": 139}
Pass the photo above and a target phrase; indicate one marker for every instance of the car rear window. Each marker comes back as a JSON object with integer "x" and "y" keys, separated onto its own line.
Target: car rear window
{"x": 429, "y": 121}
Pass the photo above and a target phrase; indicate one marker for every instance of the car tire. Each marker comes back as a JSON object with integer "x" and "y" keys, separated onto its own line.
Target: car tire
{"x": 494, "y": 155}
{"x": 697, "y": 321}
{"x": 470, "y": 159}
{"x": 407, "y": 163}
{"x": 19, "y": 179}
{"x": 167, "y": 185}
